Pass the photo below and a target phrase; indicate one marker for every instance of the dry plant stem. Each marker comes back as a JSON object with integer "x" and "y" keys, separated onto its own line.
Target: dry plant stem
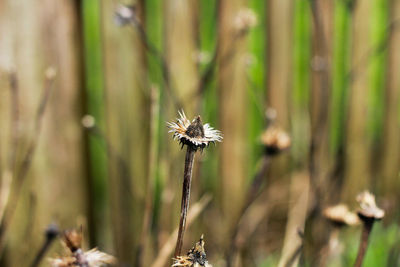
{"x": 155, "y": 108}
{"x": 165, "y": 252}
{"x": 252, "y": 194}
{"x": 50, "y": 237}
{"x": 367, "y": 227}
{"x": 21, "y": 172}
{"x": 187, "y": 180}
{"x": 164, "y": 66}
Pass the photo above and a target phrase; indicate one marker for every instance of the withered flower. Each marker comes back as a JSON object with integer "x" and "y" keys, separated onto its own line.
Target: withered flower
{"x": 369, "y": 212}
{"x": 340, "y": 215}
{"x": 72, "y": 239}
{"x": 195, "y": 136}
{"x": 195, "y": 257}
{"x": 275, "y": 140}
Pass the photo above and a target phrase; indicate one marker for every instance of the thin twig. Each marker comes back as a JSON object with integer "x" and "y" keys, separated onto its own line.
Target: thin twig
{"x": 166, "y": 74}
{"x": 21, "y": 173}
{"x": 166, "y": 250}
{"x": 153, "y": 148}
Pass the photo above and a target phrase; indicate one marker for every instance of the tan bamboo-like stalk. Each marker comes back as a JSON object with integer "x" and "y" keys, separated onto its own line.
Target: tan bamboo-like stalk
{"x": 32, "y": 46}
{"x": 127, "y": 105}
{"x": 357, "y": 146}
{"x": 232, "y": 114}
{"x": 391, "y": 142}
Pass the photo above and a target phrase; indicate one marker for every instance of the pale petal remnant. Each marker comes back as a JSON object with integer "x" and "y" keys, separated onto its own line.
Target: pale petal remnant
{"x": 368, "y": 207}
{"x": 341, "y": 215}
{"x": 194, "y": 133}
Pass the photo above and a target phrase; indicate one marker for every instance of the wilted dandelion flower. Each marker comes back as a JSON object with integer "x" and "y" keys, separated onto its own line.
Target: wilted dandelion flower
{"x": 194, "y": 258}
{"x": 193, "y": 134}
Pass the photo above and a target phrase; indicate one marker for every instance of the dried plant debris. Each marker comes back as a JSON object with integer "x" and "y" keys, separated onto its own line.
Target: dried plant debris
{"x": 368, "y": 208}
{"x": 195, "y": 257}
{"x": 72, "y": 239}
{"x": 193, "y": 134}
{"x": 340, "y": 215}
{"x": 275, "y": 140}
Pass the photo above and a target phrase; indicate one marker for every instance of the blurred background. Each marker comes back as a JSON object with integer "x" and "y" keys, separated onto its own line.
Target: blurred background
{"x": 88, "y": 86}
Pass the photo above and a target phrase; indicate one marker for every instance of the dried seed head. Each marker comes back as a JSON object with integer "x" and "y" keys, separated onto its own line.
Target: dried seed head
{"x": 88, "y": 121}
{"x": 124, "y": 15}
{"x": 368, "y": 208}
{"x": 79, "y": 258}
{"x": 195, "y": 257}
{"x": 275, "y": 140}
{"x": 340, "y": 215}
{"x": 193, "y": 134}
{"x": 245, "y": 20}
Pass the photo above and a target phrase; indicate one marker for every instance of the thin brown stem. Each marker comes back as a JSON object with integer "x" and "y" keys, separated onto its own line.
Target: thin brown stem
{"x": 367, "y": 227}
{"x": 187, "y": 181}
{"x": 22, "y": 171}
{"x": 51, "y": 234}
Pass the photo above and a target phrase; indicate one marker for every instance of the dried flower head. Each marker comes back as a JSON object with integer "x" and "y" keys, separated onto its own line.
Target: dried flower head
{"x": 245, "y": 20}
{"x": 88, "y": 121}
{"x": 124, "y": 14}
{"x": 195, "y": 257}
{"x": 193, "y": 134}
{"x": 340, "y": 215}
{"x": 92, "y": 258}
{"x": 275, "y": 140}
{"x": 368, "y": 208}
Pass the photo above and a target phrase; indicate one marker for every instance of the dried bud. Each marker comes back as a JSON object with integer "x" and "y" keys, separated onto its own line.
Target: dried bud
{"x": 245, "y": 20}
{"x": 124, "y": 15}
{"x": 275, "y": 140}
{"x": 340, "y": 215}
{"x": 88, "y": 121}
{"x": 368, "y": 208}
{"x": 50, "y": 73}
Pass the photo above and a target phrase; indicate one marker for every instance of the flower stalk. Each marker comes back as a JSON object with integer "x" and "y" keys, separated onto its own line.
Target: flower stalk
{"x": 194, "y": 135}
{"x": 366, "y": 231}
{"x": 368, "y": 213}
{"x": 187, "y": 181}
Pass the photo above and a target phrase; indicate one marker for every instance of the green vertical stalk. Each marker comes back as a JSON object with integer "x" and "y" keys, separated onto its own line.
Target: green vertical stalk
{"x": 93, "y": 75}
{"x": 301, "y": 80}
{"x": 153, "y": 27}
{"x": 341, "y": 63}
{"x": 208, "y": 44}
{"x": 377, "y": 68}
